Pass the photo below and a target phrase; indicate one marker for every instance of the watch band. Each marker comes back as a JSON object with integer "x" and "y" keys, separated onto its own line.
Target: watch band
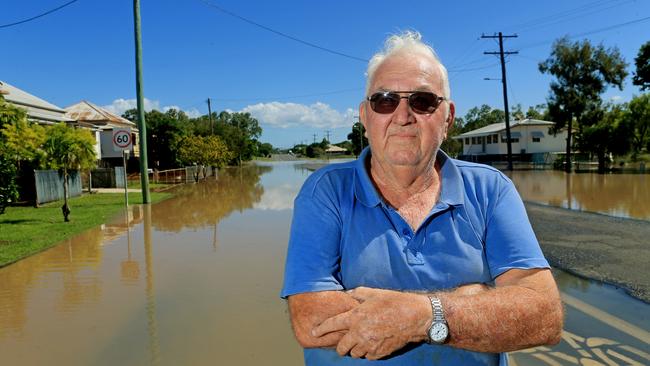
{"x": 436, "y": 308}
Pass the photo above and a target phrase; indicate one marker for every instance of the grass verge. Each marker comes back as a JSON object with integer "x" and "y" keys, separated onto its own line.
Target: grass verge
{"x": 27, "y": 230}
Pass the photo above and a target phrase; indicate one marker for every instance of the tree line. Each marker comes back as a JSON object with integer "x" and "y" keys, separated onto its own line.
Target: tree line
{"x": 176, "y": 140}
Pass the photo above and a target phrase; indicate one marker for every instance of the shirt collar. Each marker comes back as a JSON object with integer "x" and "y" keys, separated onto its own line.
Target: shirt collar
{"x": 452, "y": 181}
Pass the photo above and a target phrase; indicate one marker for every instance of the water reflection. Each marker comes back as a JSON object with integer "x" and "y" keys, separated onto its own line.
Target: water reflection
{"x": 623, "y": 195}
{"x": 206, "y": 203}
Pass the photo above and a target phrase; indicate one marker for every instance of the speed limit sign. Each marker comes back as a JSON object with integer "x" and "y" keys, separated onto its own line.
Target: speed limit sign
{"x": 122, "y": 139}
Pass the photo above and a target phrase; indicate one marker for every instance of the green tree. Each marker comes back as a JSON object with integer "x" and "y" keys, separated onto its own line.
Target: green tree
{"x": 582, "y": 74}
{"x": 240, "y": 132}
{"x": 538, "y": 112}
{"x": 482, "y": 116}
{"x": 8, "y": 186}
{"x": 164, "y": 130}
{"x": 642, "y": 62}
{"x": 606, "y": 133}
{"x": 203, "y": 151}
{"x": 20, "y": 141}
{"x": 68, "y": 149}
{"x": 264, "y": 149}
{"x": 637, "y": 118}
{"x": 358, "y": 138}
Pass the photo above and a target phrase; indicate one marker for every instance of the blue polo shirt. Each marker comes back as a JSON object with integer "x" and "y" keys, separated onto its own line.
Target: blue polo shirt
{"x": 344, "y": 235}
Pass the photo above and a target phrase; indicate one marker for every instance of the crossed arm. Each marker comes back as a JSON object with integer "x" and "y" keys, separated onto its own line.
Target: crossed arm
{"x": 522, "y": 310}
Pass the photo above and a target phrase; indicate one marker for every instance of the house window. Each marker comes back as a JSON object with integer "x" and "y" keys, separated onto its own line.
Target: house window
{"x": 536, "y": 139}
{"x": 473, "y": 140}
{"x": 495, "y": 138}
{"x": 514, "y": 139}
{"x": 489, "y": 139}
{"x": 466, "y": 140}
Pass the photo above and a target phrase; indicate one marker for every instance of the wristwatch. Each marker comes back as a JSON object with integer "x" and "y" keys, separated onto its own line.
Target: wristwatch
{"x": 439, "y": 331}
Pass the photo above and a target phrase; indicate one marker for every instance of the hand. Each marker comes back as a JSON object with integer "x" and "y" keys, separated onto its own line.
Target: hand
{"x": 383, "y": 323}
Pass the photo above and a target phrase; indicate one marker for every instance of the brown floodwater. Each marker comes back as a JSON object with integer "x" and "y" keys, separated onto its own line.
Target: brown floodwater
{"x": 622, "y": 195}
{"x": 195, "y": 280}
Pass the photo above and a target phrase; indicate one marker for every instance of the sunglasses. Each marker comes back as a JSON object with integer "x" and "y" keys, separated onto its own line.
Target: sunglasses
{"x": 421, "y": 102}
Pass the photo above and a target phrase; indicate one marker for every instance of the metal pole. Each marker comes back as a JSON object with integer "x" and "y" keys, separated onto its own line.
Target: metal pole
{"x": 142, "y": 126}
{"x": 126, "y": 186}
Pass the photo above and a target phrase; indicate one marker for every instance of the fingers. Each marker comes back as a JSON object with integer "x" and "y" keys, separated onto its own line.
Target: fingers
{"x": 348, "y": 344}
{"x": 336, "y": 323}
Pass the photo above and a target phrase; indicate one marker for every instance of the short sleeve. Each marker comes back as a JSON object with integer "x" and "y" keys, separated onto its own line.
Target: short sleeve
{"x": 510, "y": 241}
{"x": 313, "y": 254}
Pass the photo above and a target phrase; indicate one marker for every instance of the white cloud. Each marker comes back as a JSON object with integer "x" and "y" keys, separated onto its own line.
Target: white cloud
{"x": 278, "y": 198}
{"x": 120, "y": 106}
{"x": 616, "y": 98}
{"x": 286, "y": 115}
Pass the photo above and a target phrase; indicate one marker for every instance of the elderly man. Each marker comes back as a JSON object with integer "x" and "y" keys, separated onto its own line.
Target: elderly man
{"x": 407, "y": 256}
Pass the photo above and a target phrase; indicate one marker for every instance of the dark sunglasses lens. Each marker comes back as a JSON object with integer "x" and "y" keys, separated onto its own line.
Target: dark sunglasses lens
{"x": 384, "y": 102}
{"x": 423, "y": 102}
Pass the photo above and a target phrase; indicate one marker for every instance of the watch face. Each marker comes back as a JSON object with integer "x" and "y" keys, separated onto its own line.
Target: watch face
{"x": 438, "y": 332}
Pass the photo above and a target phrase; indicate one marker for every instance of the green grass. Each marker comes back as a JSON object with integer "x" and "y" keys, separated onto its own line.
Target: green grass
{"x": 27, "y": 230}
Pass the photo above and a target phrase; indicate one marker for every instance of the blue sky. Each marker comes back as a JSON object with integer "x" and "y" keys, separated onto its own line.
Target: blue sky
{"x": 193, "y": 51}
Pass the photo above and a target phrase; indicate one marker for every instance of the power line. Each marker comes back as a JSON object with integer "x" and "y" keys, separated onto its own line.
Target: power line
{"x": 287, "y": 97}
{"x": 38, "y": 16}
{"x": 313, "y": 45}
{"x": 563, "y": 19}
{"x": 553, "y": 18}
{"x": 599, "y": 30}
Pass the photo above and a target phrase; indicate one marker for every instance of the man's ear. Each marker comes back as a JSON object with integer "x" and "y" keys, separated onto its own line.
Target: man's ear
{"x": 362, "y": 114}
{"x": 451, "y": 116}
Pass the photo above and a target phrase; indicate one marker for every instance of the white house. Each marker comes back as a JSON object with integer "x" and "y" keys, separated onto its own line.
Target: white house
{"x": 92, "y": 116}
{"x": 38, "y": 110}
{"x": 43, "y": 112}
{"x": 528, "y": 136}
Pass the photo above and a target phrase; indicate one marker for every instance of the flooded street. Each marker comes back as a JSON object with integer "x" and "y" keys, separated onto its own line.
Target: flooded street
{"x": 622, "y": 195}
{"x": 195, "y": 280}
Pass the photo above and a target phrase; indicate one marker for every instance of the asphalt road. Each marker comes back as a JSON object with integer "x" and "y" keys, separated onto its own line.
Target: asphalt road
{"x": 604, "y": 248}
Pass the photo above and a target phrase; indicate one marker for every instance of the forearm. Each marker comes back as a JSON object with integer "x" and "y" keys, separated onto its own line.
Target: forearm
{"x": 308, "y": 310}
{"x": 504, "y": 318}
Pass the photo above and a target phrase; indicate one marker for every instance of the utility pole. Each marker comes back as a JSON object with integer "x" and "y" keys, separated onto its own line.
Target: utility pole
{"x": 327, "y": 132}
{"x": 142, "y": 126}
{"x": 314, "y": 138}
{"x": 210, "y": 115}
{"x": 505, "y": 87}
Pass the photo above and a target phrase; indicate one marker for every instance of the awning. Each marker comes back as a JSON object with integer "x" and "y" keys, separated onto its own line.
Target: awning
{"x": 537, "y": 134}
{"x": 513, "y": 134}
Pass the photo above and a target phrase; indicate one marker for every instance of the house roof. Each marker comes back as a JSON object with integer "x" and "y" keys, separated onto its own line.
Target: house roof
{"x": 335, "y": 149}
{"x": 38, "y": 110}
{"x": 499, "y": 127}
{"x": 86, "y": 112}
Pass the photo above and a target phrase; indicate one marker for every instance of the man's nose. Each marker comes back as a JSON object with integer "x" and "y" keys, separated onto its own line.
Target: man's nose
{"x": 403, "y": 114}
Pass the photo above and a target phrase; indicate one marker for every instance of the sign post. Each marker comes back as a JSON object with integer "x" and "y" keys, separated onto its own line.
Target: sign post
{"x": 122, "y": 142}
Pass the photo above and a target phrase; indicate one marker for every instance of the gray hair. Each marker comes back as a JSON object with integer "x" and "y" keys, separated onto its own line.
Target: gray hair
{"x": 407, "y": 42}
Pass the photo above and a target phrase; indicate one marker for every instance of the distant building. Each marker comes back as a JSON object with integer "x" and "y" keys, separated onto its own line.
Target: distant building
{"x": 530, "y": 139}
{"x": 91, "y": 116}
{"x": 38, "y": 110}
{"x": 335, "y": 150}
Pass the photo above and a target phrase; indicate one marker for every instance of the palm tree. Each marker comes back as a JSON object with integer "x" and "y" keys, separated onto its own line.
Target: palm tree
{"x": 68, "y": 149}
